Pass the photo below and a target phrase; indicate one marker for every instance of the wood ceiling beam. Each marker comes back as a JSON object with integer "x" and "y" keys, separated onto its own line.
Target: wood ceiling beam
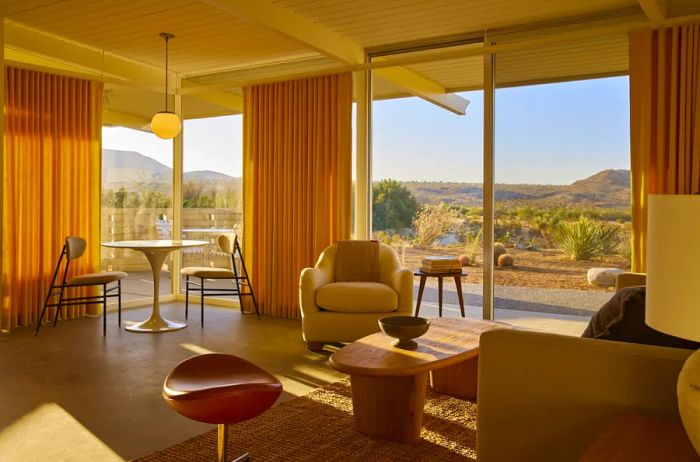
{"x": 426, "y": 89}
{"x": 300, "y": 29}
{"x": 222, "y": 99}
{"x": 122, "y": 119}
{"x": 35, "y": 49}
{"x": 654, "y": 9}
{"x": 47, "y": 48}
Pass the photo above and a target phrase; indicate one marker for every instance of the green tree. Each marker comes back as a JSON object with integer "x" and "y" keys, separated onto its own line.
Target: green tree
{"x": 119, "y": 198}
{"x": 393, "y": 206}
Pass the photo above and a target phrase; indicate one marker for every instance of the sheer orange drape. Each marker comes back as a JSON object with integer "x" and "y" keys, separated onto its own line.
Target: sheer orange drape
{"x": 297, "y": 180}
{"x": 51, "y": 185}
{"x": 665, "y": 121}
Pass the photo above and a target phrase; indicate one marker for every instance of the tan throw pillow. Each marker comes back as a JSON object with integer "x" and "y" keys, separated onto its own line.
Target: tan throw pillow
{"x": 357, "y": 261}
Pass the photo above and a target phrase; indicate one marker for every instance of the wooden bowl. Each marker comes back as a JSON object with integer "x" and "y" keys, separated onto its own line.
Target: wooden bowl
{"x": 404, "y": 329}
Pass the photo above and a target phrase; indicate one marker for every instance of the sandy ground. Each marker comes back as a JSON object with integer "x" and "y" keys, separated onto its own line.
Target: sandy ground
{"x": 542, "y": 268}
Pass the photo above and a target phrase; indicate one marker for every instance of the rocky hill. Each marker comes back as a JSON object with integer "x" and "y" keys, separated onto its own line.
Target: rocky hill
{"x": 129, "y": 168}
{"x": 607, "y": 189}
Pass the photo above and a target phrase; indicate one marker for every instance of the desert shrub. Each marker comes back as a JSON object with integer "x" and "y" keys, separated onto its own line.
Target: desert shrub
{"x": 472, "y": 244}
{"x": 383, "y": 237}
{"x": 393, "y": 206}
{"x": 547, "y": 224}
{"x": 432, "y": 221}
{"x": 624, "y": 247}
{"x": 585, "y": 239}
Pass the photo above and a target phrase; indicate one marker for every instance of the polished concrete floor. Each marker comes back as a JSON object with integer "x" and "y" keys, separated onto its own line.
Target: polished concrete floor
{"x": 71, "y": 394}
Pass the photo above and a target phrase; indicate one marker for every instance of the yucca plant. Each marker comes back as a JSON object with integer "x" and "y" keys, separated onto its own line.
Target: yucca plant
{"x": 585, "y": 239}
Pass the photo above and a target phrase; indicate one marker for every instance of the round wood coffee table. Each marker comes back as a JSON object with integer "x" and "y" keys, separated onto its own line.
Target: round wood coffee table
{"x": 389, "y": 384}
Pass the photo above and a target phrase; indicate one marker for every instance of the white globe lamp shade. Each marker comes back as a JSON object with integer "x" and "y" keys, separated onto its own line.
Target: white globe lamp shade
{"x": 166, "y": 125}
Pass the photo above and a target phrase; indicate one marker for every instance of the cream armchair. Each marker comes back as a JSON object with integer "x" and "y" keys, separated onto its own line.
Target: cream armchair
{"x": 346, "y": 311}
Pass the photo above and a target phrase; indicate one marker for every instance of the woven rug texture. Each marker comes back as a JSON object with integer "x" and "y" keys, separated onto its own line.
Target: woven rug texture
{"x": 319, "y": 427}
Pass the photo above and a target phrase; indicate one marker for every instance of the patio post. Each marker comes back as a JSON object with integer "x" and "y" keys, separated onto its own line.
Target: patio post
{"x": 489, "y": 160}
{"x": 2, "y": 132}
{"x": 363, "y": 164}
{"x": 178, "y": 145}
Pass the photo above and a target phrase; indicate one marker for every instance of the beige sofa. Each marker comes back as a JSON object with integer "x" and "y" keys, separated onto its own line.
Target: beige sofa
{"x": 346, "y": 311}
{"x": 545, "y": 397}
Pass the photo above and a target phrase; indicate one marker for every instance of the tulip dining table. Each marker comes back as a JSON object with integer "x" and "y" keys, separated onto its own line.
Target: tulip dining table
{"x": 155, "y": 251}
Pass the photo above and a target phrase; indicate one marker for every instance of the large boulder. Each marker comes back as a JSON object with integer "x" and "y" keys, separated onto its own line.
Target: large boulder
{"x": 603, "y": 277}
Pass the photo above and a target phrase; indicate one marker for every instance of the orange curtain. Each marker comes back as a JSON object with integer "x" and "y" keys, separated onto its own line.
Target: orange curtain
{"x": 664, "y": 121}
{"x": 51, "y": 186}
{"x": 297, "y": 172}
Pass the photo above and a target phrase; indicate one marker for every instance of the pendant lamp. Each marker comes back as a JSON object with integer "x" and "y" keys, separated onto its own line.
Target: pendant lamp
{"x": 166, "y": 124}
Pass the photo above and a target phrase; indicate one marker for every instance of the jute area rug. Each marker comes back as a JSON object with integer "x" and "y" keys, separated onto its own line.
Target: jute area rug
{"x": 319, "y": 427}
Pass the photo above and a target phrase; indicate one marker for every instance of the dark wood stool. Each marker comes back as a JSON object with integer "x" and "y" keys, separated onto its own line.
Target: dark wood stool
{"x": 458, "y": 282}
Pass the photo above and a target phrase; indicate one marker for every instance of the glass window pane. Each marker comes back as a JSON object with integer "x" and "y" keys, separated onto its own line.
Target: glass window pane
{"x": 137, "y": 203}
{"x": 562, "y": 199}
{"x": 427, "y": 179}
{"x": 212, "y": 190}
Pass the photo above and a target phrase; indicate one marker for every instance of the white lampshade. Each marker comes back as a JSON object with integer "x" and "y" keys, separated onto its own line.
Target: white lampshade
{"x": 166, "y": 125}
{"x": 673, "y": 265}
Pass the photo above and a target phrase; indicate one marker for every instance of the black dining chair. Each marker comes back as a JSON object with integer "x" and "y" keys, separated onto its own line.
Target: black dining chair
{"x": 228, "y": 243}
{"x": 73, "y": 248}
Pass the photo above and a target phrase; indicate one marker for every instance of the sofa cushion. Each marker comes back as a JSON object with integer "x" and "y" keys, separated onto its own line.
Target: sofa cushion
{"x": 357, "y": 297}
{"x": 622, "y": 319}
{"x": 357, "y": 261}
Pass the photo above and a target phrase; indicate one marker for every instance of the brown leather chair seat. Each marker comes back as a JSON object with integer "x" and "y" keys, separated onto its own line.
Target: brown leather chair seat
{"x": 218, "y": 388}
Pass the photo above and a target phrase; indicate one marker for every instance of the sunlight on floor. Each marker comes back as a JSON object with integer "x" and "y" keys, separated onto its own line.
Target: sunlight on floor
{"x": 195, "y": 348}
{"x": 68, "y": 439}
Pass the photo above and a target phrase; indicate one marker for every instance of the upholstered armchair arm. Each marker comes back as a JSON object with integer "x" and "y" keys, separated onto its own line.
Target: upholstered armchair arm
{"x": 309, "y": 281}
{"x": 402, "y": 283}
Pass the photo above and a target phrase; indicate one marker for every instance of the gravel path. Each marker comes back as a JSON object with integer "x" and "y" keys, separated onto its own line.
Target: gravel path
{"x": 556, "y": 301}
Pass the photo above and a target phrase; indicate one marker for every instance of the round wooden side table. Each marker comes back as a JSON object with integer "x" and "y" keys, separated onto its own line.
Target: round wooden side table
{"x": 458, "y": 282}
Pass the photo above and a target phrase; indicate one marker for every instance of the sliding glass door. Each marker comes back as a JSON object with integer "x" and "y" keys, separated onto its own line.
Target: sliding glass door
{"x": 137, "y": 203}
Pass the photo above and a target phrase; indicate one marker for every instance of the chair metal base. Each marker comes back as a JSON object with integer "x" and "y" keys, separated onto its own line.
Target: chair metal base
{"x": 221, "y": 446}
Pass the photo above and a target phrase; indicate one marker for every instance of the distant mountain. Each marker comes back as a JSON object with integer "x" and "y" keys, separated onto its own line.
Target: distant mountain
{"x": 126, "y": 168}
{"x": 608, "y": 189}
{"x": 209, "y": 176}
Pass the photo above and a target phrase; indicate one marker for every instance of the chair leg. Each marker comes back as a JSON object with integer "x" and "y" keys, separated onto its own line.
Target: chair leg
{"x": 119, "y": 302}
{"x": 236, "y": 283}
{"x": 104, "y": 310}
{"x": 43, "y": 311}
{"x": 252, "y": 295}
{"x": 201, "y": 301}
{"x": 187, "y": 295}
{"x": 250, "y": 286}
{"x": 58, "y": 308}
{"x": 222, "y": 446}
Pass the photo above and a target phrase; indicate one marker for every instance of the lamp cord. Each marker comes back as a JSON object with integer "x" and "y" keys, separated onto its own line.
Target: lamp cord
{"x": 166, "y": 73}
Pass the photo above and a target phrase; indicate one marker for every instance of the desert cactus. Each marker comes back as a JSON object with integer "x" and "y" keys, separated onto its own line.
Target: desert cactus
{"x": 498, "y": 250}
{"x": 505, "y": 260}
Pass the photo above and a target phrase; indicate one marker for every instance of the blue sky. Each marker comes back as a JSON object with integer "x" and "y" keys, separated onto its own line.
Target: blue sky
{"x": 545, "y": 134}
